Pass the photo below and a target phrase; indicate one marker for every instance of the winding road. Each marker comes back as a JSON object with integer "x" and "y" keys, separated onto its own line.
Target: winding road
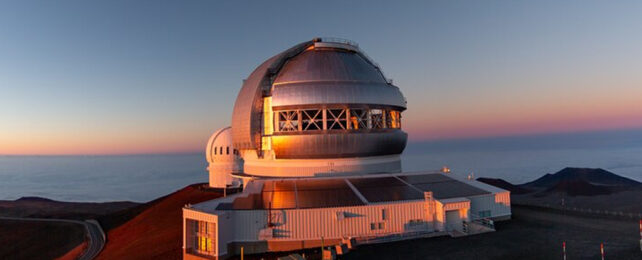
{"x": 94, "y": 233}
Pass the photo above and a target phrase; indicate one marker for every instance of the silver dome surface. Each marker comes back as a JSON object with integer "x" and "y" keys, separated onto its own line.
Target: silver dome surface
{"x": 248, "y": 108}
{"x": 333, "y": 76}
{"x": 313, "y": 74}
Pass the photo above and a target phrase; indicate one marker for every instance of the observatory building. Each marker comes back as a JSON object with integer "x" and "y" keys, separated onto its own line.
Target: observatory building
{"x": 315, "y": 146}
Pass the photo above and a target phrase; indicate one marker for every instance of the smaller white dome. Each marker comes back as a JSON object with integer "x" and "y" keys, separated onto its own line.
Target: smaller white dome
{"x": 219, "y": 147}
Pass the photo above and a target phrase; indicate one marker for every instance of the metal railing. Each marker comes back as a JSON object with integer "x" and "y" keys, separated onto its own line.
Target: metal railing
{"x": 397, "y": 237}
{"x": 338, "y": 40}
{"x": 486, "y": 222}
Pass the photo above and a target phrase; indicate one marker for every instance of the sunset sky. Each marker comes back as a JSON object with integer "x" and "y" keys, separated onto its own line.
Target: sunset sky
{"x": 120, "y": 77}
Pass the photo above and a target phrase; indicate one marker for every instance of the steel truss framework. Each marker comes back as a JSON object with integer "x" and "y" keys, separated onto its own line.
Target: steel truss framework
{"x": 336, "y": 119}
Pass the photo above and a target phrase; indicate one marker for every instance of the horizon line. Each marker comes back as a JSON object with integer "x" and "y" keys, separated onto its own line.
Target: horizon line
{"x": 201, "y": 151}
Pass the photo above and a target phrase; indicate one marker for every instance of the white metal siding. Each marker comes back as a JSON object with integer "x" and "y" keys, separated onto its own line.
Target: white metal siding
{"x": 305, "y": 224}
{"x": 498, "y": 204}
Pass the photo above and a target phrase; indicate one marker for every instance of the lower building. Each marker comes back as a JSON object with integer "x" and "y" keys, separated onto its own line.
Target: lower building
{"x": 285, "y": 214}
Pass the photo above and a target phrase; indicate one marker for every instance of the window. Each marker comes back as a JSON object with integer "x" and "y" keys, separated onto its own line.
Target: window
{"x": 383, "y": 214}
{"x": 484, "y": 214}
{"x": 377, "y": 118}
{"x": 393, "y": 119}
{"x": 220, "y": 151}
{"x": 358, "y": 119}
{"x": 288, "y": 121}
{"x": 227, "y": 150}
{"x": 336, "y": 119}
{"x": 203, "y": 237}
{"x": 214, "y": 150}
{"x": 377, "y": 225}
{"x": 312, "y": 120}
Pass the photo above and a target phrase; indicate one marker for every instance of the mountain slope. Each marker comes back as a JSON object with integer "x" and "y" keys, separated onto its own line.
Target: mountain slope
{"x": 155, "y": 232}
{"x": 593, "y": 176}
{"x": 579, "y": 188}
{"x": 500, "y": 183}
{"x": 571, "y": 181}
{"x": 46, "y": 208}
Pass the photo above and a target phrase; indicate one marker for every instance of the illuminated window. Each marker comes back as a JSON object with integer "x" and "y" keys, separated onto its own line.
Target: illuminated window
{"x": 393, "y": 119}
{"x": 377, "y": 118}
{"x": 204, "y": 237}
{"x": 358, "y": 119}
{"x": 335, "y": 119}
{"x": 288, "y": 121}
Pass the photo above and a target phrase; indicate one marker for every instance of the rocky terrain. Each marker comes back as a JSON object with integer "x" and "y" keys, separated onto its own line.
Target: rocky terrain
{"x": 540, "y": 223}
{"x": 578, "y": 188}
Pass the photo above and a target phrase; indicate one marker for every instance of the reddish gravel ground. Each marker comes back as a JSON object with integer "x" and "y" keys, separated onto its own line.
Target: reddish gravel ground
{"x": 155, "y": 233}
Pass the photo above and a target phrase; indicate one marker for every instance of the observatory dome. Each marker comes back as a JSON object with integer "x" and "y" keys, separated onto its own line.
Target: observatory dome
{"x": 222, "y": 158}
{"x": 321, "y": 99}
{"x": 219, "y": 146}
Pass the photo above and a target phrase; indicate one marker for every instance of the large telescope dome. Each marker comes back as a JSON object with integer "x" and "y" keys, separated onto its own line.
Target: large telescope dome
{"x": 321, "y": 99}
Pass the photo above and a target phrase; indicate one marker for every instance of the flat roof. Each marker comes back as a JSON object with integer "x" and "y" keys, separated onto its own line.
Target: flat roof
{"x": 442, "y": 186}
{"x": 345, "y": 191}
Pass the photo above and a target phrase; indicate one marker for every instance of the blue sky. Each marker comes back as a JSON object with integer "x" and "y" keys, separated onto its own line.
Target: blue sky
{"x": 85, "y": 77}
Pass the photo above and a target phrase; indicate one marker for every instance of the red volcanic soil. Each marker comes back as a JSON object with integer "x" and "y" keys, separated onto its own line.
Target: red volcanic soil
{"x": 156, "y": 231}
{"x": 74, "y": 253}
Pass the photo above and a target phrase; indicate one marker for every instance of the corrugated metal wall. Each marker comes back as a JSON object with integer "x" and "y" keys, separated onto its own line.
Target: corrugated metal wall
{"x": 498, "y": 204}
{"x": 303, "y": 224}
{"x": 334, "y": 223}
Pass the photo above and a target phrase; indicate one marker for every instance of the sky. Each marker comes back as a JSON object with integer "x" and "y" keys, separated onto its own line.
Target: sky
{"x": 121, "y": 77}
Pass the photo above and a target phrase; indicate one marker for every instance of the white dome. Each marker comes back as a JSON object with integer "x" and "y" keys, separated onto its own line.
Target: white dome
{"x": 219, "y": 147}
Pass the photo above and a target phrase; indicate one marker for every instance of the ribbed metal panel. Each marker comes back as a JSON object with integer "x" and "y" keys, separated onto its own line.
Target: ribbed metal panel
{"x": 328, "y": 65}
{"x": 246, "y": 117}
{"x": 315, "y": 76}
{"x": 247, "y": 114}
{"x": 498, "y": 204}
{"x": 310, "y": 224}
{"x": 339, "y": 92}
{"x": 339, "y": 145}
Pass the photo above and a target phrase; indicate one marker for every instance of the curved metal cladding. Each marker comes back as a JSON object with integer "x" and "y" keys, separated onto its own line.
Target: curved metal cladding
{"x": 328, "y": 93}
{"x": 320, "y": 75}
{"x": 333, "y": 76}
{"x": 339, "y": 145}
{"x": 248, "y": 108}
{"x": 211, "y": 143}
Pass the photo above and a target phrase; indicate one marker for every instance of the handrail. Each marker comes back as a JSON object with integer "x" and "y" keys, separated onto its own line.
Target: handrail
{"x": 337, "y": 40}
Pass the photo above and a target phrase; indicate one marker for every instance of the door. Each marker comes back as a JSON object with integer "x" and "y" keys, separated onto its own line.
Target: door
{"x": 453, "y": 221}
